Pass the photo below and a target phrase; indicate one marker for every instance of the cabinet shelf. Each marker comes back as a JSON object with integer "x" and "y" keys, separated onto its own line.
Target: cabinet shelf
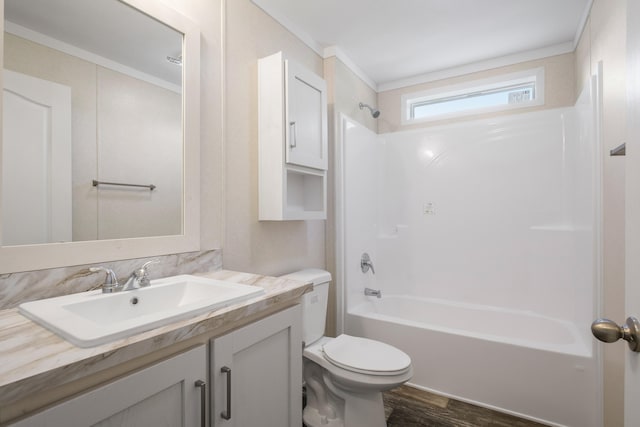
{"x": 305, "y": 191}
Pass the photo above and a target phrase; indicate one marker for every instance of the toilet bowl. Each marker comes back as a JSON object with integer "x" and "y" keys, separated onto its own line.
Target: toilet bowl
{"x": 344, "y": 388}
{"x": 344, "y": 376}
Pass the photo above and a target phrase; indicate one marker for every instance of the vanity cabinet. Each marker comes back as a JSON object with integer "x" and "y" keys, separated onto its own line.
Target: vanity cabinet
{"x": 256, "y": 373}
{"x": 292, "y": 140}
{"x": 168, "y": 393}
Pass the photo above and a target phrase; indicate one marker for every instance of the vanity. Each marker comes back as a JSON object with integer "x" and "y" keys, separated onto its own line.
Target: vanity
{"x": 239, "y": 365}
{"x": 236, "y": 366}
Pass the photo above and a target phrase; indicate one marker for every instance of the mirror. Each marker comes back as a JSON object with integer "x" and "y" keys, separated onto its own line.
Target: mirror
{"x": 100, "y": 132}
{"x": 92, "y": 94}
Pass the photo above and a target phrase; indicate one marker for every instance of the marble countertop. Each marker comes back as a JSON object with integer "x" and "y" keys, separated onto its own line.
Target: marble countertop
{"x": 33, "y": 358}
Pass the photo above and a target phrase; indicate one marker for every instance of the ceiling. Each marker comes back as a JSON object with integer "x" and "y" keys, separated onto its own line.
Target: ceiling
{"x": 389, "y": 43}
{"x": 393, "y": 40}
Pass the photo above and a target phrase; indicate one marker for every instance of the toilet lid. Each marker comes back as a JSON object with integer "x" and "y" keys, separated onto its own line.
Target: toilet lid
{"x": 366, "y": 356}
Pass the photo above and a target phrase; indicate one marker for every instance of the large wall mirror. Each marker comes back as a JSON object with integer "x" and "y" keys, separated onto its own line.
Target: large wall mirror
{"x": 100, "y": 135}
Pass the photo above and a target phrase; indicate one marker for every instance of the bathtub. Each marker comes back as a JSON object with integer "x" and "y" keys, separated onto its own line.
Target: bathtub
{"x": 513, "y": 361}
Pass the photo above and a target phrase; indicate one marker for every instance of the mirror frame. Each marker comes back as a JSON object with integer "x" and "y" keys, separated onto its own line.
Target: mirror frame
{"x": 50, "y": 255}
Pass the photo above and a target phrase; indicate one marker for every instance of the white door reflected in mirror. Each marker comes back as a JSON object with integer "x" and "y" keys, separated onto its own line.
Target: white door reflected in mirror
{"x": 36, "y": 161}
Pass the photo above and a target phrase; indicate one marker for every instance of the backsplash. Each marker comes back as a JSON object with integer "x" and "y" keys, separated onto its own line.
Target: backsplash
{"x": 16, "y": 288}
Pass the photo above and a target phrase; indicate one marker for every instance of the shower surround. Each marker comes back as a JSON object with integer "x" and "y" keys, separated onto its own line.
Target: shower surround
{"x": 484, "y": 236}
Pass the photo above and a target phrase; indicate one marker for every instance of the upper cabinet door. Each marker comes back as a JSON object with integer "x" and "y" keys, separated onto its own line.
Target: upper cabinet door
{"x": 306, "y": 117}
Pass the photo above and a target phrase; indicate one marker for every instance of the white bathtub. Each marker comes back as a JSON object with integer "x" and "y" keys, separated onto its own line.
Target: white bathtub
{"x": 516, "y": 362}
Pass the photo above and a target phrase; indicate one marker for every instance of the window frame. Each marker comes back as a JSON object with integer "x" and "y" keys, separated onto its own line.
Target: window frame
{"x": 451, "y": 92}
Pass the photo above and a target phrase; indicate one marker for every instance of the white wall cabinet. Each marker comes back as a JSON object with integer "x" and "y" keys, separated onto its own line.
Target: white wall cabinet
{"x": 256, "y": 373}
{"x": 164, "y": 394}
{"x": 293, "y": 148}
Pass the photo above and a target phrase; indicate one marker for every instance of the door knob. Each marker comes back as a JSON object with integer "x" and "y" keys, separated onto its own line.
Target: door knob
{"x": 608, "y": 331}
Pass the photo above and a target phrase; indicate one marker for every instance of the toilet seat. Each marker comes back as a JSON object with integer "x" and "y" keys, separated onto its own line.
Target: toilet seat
{"x": 365, "y": 356}
{"x": 349, "y": 378}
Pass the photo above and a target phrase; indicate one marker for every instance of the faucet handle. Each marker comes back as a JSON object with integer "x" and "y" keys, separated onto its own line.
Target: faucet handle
{"x": 148, "y": 263}
{"x": 143, "y": 272}
{"x": 366, "y": 263}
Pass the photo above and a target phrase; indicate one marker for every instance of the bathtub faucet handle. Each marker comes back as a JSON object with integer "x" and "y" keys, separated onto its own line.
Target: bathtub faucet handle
{"x": 366, "y": 264}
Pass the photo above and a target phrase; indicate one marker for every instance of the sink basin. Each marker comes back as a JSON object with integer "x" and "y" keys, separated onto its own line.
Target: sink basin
{"x": 92, "y": 318}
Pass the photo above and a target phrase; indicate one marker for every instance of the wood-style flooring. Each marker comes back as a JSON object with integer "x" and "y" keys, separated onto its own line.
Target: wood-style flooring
{"x": 409, "y": 407}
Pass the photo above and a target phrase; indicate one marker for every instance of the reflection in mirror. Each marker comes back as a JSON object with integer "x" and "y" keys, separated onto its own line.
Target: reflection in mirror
{"x": 92, "y": 92}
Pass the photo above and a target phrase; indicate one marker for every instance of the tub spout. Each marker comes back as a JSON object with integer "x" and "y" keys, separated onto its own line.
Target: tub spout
{"x": 373, "y": 292}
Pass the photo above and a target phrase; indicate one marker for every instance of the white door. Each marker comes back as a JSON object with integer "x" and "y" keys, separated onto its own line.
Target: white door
{"x": 36, "y": 161}
{"x": 632, "y": 171}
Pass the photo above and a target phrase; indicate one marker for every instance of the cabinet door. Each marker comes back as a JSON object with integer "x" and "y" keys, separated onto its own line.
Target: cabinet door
{"x": 256, "y": 373}
{"x": 164, "y": 394}
{"x": 306, "y": 117}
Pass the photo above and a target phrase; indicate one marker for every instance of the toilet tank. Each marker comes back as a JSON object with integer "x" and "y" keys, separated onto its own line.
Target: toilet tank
{"x": 314, "y": 303}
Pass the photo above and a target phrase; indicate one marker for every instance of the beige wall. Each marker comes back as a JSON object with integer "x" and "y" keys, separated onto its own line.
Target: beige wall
{"x": 345, "y": 92}
{"x": 265, "y": 247}
{"x": 559, "y": 91}
{"x": 604, "y": 40}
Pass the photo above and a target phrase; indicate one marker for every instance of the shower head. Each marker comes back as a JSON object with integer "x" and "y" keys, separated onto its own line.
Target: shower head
{"x": 375, "y": 113}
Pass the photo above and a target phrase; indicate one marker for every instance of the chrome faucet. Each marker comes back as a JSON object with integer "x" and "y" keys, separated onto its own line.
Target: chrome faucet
{"x": 366, "y": 264}
{"x": 373, "y": 292}
{"x": 139, "y": 278}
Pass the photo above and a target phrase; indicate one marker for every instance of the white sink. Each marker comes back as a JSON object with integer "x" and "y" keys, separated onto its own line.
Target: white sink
{"x": 92, "y": 318}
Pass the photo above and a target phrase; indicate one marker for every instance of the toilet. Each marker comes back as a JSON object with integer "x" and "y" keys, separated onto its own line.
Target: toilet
{"x": 344, "y": 376}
